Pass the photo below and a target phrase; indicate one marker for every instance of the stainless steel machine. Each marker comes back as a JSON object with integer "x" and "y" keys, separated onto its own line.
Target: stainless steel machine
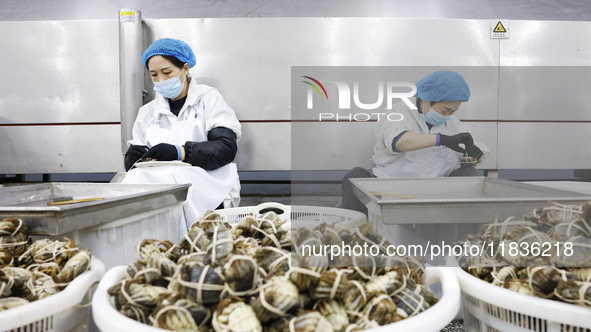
{"x": 71, "y": 92}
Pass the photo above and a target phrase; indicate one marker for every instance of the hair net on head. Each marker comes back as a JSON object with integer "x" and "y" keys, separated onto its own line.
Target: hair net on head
{"x": 443, "y": 85}
{"x": 173, "y": 47}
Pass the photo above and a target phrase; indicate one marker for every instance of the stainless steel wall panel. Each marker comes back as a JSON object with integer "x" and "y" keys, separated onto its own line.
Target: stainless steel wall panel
{"x": 545, "y": 71}
{"x": 60, "y": 149}
{"x": 547, "y": 43}
{"x": 249, "y": 59}
{"x": 544, "y": 145}
{"x": 331, "y": 145}
{"x": 59, "y": 72}
{"x": 264, "y": 147}
{"x": 344, "y": 145}
{"x": 545, "y": 93}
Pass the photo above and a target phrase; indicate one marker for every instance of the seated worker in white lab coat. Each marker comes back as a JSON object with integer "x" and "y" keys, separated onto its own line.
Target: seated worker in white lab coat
{"x": 426, "y": 143}
{"x": 186, "y": 122}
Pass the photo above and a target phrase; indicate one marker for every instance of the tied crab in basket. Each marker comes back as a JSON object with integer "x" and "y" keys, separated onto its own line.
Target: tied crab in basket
{"x": 30, "y": 271}
{"x": 255, "y": 274}
{"x": 550, "y": 253}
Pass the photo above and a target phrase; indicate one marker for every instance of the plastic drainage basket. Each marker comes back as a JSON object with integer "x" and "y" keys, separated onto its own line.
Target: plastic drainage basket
{"x": 64, "y": 311}
{"x": 108, "y": 319}
{"x": 316, "y": 214}
{"x": 491, "y": 308}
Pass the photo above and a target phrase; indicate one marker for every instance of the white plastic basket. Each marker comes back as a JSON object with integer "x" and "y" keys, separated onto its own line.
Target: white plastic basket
{"x": 64, "y": 311}
{"x": 491, "y": 308}
{"x": 291, "y": 213}
{"x": 108, "y": 319}
{"x": 114, "y": 242}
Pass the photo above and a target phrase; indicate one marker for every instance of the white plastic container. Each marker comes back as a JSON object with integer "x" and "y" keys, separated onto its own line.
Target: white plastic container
{"x": 491, "y": 308}
{"x": 114, "y": 242}
{"x": 315, "y": 214}
{"x": 108, "y": 319}
{"x": 64, "y": 311}
{"x": 434, "y": 319}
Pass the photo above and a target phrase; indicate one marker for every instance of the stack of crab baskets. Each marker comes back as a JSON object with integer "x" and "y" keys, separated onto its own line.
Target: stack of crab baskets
{"x": 534, "y": 274}
{"x": 45, "y": 285}
{"x": 234, "y": 271}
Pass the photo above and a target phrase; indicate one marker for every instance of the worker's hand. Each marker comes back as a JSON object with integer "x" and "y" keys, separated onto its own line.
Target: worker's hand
{"x": 162, "y": 151}
{"x": 133, "y": 154}
{"x": 474, "y": 151}
{"x": 453, "y": 142}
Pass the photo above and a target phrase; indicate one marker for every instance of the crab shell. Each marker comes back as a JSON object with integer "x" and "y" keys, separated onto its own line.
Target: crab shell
{"x": 241, "y": 273}
{"x": 380, "y": 308}
{"x": 11, "y": 302}
{"x": 11, "y": 226}
{"x": 244, "y": 227}
{"x": 173, "y": 318}
{"x": 335, "y": 313}
{"x": 134, "y": 312}
{"x": 42, "y": 286}
{"x": 410, "y": 301}
{"x": 332, "y": 284}
{"x": 221, "y": 246}
{"x": 388, "y": 283}
{"x": 75, "y": 266}
{"x": 277, "y": 299}
{"x": 308, "y": 321}
{"x": 306, "y": 271}
{"x": 195, "y": 240}
{"x": 234, "y": 315}
{"x": 202, "y": 284}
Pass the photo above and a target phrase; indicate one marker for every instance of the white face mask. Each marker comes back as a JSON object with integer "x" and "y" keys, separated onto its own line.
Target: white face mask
{"x": 170, "y": 88}
{"x": 433, "y": 117}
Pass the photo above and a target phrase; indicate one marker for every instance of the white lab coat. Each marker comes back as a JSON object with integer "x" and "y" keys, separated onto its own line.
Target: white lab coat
{"x": 204, "y": 109}
{"x": 430, "y": 162}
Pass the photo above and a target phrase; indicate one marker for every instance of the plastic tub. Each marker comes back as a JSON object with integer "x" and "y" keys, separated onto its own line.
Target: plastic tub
{"x": 114, "y": 242}
{"x": 491, "y": 308}
{"x": 64, "y": 311}
{"x": 315, "y": 214}
{"x": 108, "y": 319}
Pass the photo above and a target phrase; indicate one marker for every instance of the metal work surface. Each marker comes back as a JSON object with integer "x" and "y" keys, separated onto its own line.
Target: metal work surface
{"x": 29, "y": 203}
{"x": 453, "y": 200}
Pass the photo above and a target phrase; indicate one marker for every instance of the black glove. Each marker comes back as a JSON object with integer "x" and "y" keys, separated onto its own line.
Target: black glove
{"x": 453, "y": 142}
{"x": 163, "y": 152}
{"x": 474, "y": 151}
{"x": 133, "y": 154}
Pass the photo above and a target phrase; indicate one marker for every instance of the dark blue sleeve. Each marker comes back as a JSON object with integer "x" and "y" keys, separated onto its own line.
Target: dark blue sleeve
{"x": 395, "y": 140}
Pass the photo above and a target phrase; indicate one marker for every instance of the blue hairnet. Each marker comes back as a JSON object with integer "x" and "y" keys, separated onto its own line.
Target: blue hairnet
{"x": 443, "y": 85}
{"x": 173, "y": 47}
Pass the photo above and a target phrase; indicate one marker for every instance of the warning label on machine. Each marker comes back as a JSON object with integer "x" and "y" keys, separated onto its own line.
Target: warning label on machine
{"x": 499, "y": 29}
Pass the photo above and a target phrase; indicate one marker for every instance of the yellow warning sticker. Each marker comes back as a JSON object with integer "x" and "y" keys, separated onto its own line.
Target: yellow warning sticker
{"x": 500, "y": 27}
{"x": 126, "y": 17}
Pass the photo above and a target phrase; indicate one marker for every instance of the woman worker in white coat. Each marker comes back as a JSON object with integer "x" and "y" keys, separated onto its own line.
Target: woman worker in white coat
{"x": 426, "y": 143}
{"x": 188, "y": 122}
